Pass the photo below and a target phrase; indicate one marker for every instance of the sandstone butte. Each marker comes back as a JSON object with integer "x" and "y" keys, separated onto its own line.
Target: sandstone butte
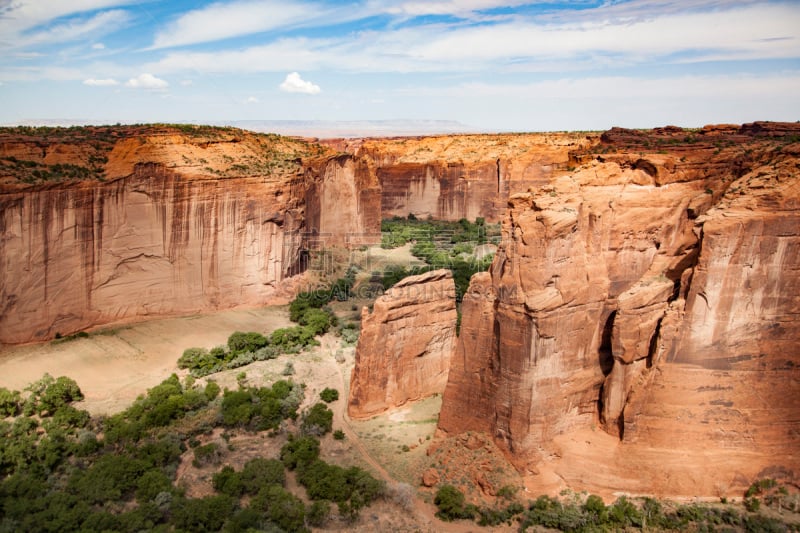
{"x": 637, "y": 332}
{"x": 403, "y": 352}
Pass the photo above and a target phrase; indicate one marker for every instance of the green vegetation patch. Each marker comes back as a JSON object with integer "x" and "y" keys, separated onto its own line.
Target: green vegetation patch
{"x": 440, "y": 244}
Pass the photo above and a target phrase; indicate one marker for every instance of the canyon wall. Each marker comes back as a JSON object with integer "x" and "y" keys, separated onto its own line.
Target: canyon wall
{"x": 405, "y": 345}
{"x": 343, "y": 203}
{"x": 640, "y": 326}
{"x": 110, "y": 224}
{"x": 464, "y": 176}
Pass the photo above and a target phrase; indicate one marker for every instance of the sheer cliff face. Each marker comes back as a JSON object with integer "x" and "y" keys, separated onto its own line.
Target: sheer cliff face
{"x": 653, "y": 296}
{"x": 180, "y": 223}
{"x": 405, "y": 345}
{"x": 343, "y": 203}
{"x": 464, "y": 176}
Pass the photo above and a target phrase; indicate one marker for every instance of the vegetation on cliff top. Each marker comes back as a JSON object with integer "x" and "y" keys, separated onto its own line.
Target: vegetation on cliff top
{"x": 26, "y": 155}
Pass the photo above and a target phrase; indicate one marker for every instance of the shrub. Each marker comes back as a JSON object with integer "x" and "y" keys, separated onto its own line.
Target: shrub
{"x": 246, "y": 342}
{"x": 318, "y": 420}
{"x": 259, "y": 472}
{"x": 338, "y": 434}
{"x": 204, "y": 514}
{"x": 299, "y": 452}
{"x": 192, "y": 357}
{"x": 208, "y": 454}
{"x": 211, "y": 391}
{"x": 51, "y": 394}
{"x": 451, "y": 504}
{"x": 151, "y": 484}
{"x": 317, "y": 320}
{"x": 329, "y": 395}
{"x": 9, "y": 402}
{"x": 228, "y": 481}
{"x": 110, "y": 478}
{"x": 280, "y": 507}
{"x": 317, "y": 513}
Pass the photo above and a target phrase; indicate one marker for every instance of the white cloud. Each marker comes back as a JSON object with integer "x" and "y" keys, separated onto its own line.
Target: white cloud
{"x": 23, "y": 14}
{"x": 71, "y": 30}
{"x": 295, "y": 84}
{"x": 763, "y": 31}
{"x": 146, "y": 81}
{"x": 98, "y": 46}
{"x": 225, "y": 20}
{"x": 94, "y": 82}
{"x": 252, "y": 100}
{"x": 186, "y": 83}
{"x": 450, "y": 7}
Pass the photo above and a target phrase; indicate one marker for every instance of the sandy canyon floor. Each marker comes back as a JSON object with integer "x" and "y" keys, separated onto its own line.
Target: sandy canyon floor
{"x": 115, "y": 365}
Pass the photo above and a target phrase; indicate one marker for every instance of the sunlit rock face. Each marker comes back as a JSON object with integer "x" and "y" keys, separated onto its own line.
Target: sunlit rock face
{"x": 406, "y": 341}
{"x": 451, "y": 177}
{"x": 162, "y": 221}
{"x": 639, "y": 328}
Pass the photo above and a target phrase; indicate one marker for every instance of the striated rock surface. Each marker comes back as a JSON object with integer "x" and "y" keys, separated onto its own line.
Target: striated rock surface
{"x": 102, "y": 225}
{"x": 461, "y": 176}
{"x": 343, "y": 202}
{"x": 652, "y": 293}
{"x": 405, "y": 345}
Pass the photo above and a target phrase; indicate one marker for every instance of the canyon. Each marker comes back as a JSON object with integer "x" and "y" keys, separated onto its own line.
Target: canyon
{"x": 638, "y": 330}
{"x": 639, "y": 327}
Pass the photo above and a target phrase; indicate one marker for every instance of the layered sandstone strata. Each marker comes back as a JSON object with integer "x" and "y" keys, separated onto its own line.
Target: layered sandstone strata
{"x": 462, "y": 176}
{"x": 653, "y": 293}
{"x": 405, "y": 345}
{"x": 101, "y": 225}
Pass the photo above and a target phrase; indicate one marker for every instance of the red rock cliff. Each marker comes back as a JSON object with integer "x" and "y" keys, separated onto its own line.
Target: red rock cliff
{"x": 653, "y": 292}
{"x": 106, "y": 224}
{"x": 461, "y": 176}
{"x": 405, "y": 345}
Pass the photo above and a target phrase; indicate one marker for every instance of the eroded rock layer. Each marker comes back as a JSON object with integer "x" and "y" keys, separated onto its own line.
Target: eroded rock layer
{"x": 461, "y": 176}
{"x": 405, "y": 345}
{"x": 653, "y": 293}
{"x": 101, "y": 225}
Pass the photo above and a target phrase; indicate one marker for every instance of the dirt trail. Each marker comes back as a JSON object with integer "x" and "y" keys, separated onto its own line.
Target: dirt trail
{"x": 425, "y": 513}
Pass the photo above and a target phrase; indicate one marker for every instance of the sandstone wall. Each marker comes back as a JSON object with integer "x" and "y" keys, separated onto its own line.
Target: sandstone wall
{"x": 461, "y": 176}
{"x": 404, "y": 349}
{"x": 343, "y": 202}
{"x": 650, "y": 295}
{"x": 153, "y": 243}
{"x": 164, "y": 221}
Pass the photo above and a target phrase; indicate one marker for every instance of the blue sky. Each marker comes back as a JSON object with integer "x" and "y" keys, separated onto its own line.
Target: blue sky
{"x": 492, "y": 65}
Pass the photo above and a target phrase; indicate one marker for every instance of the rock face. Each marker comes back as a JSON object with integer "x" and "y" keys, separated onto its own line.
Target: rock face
{"x": 405, "y": 345}
{"x": 464, "y": 176}
{"x": 121, "y": 223}
{"x": 343, "y": 202}
{"x": 654, "y": 292}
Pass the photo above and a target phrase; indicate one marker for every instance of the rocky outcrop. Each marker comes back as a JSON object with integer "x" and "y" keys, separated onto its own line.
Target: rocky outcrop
{"x": 405, "y": 345}
{"x": 463, "y": 176}
{"x": 101, "y": 225}
{"x": 652, "y": 293}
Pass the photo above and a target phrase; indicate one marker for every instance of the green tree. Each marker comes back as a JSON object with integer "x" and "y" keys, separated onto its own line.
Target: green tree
{"x": 329, "y": 395}
{"x": 318, "y": 420}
